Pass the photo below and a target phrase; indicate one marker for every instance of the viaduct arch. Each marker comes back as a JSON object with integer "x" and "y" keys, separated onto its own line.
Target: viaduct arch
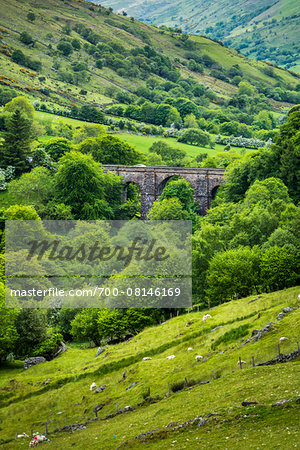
{"x": 152, "y": 179}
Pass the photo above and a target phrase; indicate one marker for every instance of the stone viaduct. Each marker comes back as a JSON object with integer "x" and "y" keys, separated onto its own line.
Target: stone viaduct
{"x": 152, "y": 181}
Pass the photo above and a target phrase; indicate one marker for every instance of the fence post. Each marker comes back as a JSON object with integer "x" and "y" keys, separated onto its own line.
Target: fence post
{"x": 213, "y": 374}
{"x": 240, "y": 362}
{"x": 298, "y": 347}
{"x": 66, "y": 420}
{"x": 253, "y": 364}
{"x": 117, "y": 407}
{"x": 186, "y": 381}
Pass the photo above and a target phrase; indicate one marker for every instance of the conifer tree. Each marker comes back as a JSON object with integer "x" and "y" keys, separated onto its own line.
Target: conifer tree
{"x": 17, "y": 142}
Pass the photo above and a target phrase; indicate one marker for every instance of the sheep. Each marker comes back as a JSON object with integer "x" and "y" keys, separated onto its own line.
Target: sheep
{"x": 33, "y": 443}
{"x": 190, "y": 349}
{"x": 205, "y": 317}
{"x": 282, "y": 339}
{"x": 147, "y": 358}
{"x": 40, "y": 438}
{"x": 241, "y": 362}
{"x": 198, "y": 357}
{"x": 171, "y": 357}
{"x": 92, "y": 386}
{"x": 20, "y": 436}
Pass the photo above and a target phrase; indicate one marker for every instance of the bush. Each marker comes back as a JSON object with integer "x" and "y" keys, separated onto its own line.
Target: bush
{"x": 49, "y": 347}
{"x": 232, "y": 335}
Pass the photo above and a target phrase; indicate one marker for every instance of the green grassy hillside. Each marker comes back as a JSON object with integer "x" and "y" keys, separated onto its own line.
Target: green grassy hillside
{"x": 264, "y": 29}
{"x": 107, "y": 62}
{"x": 27, "y": 402}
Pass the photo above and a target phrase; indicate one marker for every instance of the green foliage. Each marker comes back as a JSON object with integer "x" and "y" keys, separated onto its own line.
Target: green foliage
{"x": 48, "y": 347}
{"x": 65, "y": 48}
{"x": 22, "y": 104}
{"x": 233, "y": 274}
{"x": 81, "y": 184}
{"x": 167, "y": 209}
{"x": 31, "y": 326}
{"x": 26, "y": 38}
{"x": 31, "y": 16}
{"x": 35, "y": 188}
{"x": 195, "y": 137}
{"x": 8, "y": 330}
{"x": 57, "y": 147}
{"x": 172, "y": 156}
{"x": 16, "y": 147}
{"x": 280, "y": 268}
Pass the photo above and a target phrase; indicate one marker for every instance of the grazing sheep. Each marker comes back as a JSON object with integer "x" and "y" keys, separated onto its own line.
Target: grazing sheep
{"x": 198, "y": 357}
{"x": 205, "y": 317}
{"x": 299, "y": 297}
{"x": 171, "y": 357}
{"x": 282, "y": 339}
{"x": 20, "y": 436}
{"x": 241, "y": 362}
{"x": 147, "y": 358}
{"x": 92, "y": 386}
{"x": 190, "y": 349}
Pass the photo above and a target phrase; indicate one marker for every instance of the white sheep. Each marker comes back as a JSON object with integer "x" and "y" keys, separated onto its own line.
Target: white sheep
{"x": 241, "y": 362}
{"x": 147, "y": 358}
{"x": 93, "y": 386}
{"x": 299, "y": 297}
{"x": 171, "y": 357}
{"x": 198, "y": 357}
{"x": 205, "y": 317}
{"x": 40, "y": 438}
{"x": 282, "y": 339}
{"x": 20, "y": 436}
{"x": 190, "y": 349}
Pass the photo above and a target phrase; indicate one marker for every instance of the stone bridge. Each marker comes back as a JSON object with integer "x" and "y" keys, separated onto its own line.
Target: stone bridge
{"x": 152, "y": 181}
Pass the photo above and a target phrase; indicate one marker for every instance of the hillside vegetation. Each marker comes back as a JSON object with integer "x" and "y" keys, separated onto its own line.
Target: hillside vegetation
{"x": 77, "y": 53}
{"x": 264, "y": 29}
{"x": 59, "y": 390}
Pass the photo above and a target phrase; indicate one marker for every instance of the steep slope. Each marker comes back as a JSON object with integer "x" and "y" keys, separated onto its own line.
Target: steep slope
{"x": 264, "y": 29}
{"x": 107, "y": 56}
{"x": 181, "y": 389}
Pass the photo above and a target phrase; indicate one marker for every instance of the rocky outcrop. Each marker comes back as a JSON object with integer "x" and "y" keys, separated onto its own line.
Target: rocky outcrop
{"x": 29, "y": 362}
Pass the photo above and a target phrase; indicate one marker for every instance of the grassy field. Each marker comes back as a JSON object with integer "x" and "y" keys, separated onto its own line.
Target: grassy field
{"x": 143, "y": 143}
{"x": 27, "y": 404}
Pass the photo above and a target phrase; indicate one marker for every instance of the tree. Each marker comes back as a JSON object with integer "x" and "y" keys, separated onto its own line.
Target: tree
{"x": 233, "y": 274}
{"x": 85, "y": 326}
{"x": 195, "y": 137}
{"x": 266, "y": 191}
{"x": 81, "y": 184}
{"x": 182, "y": 190}
{"x": 190, "y": 121}
{"x": 18, "y": 57}
{"x": 35, "y": 188}
{"x": 280, "y": 268}
{"x": 246, "y": 88}
{"x": 22, "y": 104}
{"x": 114, "y": 151}
{"x": 167, "y": 209}
{"x": 65, "y": 48}
{"x": 57, "y": 147}
{"x": 16, "y": 147}
{"x": 8, "y": 330}
{"x": 287, "y": 146}
{"x": 31, "y": 326}
{"x": 76, "y": 44}
{"x": 172, "y": 156}
{"x": 31, "y": 16}
{"x": 87, "y": 131}
{"x": 26, "y": 38}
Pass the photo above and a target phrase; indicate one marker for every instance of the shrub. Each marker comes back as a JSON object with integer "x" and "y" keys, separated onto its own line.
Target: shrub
{"x": 232, "y": 335}
{"x": 48, "y": 347}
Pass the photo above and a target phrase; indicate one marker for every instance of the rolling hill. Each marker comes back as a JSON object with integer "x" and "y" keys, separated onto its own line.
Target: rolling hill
{"x": 181, "y": 402}
{"x": 264, "y": 29}
{"x": 112, "y": 55}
